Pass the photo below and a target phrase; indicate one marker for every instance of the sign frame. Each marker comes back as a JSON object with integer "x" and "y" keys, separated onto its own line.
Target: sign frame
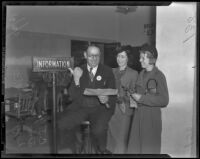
{"x": 52, "y": 64}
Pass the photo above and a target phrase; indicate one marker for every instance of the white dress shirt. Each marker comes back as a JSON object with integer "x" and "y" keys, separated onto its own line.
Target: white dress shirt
{"x": 94, "y": 70}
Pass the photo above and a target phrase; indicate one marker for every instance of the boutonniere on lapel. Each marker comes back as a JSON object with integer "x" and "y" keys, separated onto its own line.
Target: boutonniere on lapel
{"x": 99, "y": 78}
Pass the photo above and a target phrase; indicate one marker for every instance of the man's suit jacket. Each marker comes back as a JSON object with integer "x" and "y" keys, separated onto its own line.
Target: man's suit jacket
{"x": 104, "y": 78}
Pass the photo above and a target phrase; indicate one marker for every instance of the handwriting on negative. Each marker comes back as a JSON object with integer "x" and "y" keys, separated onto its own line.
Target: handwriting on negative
{"x": 190, "y": 28}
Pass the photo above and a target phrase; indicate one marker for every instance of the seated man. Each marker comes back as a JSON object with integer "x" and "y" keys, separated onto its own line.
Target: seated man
{"x": 91, "y": 75}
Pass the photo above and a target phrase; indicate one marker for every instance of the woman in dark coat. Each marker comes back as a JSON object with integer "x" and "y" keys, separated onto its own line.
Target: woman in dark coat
{"x": 151, "y": 96}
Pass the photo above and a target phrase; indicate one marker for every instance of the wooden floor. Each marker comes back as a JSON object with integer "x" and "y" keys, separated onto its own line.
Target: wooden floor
{"x": 21, "y": 144}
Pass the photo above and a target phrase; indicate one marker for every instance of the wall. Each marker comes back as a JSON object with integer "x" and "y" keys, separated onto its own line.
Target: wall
{"x": 48, "y": 30}
{"x": 82, "y": 21}
{"x": 20, "y": 49}
{"x": 176, "y": 45}
{"x": 101, "y": 22}
{"x": 132, "y": 26}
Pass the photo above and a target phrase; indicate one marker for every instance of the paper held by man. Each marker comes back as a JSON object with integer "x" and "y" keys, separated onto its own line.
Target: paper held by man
{"x": 100, "y": 92}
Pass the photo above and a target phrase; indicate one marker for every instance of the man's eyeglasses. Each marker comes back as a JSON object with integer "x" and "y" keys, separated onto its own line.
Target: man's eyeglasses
{"x": 93, "y": 56}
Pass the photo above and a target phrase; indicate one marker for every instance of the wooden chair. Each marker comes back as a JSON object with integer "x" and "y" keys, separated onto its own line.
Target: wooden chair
{"x": 23, "y": 111}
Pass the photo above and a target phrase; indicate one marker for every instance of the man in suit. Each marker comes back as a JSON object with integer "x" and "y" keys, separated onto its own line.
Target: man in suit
{"x": 91, "y": 75}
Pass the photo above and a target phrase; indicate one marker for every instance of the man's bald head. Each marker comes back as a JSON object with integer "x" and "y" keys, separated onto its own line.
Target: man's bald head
{"x": 92, "y": 55}
{"x": 93, "y": 48}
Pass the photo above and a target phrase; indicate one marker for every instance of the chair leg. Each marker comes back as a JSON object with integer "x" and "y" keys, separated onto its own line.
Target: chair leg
{"x": 42, "y": 135}
{"x": 19, "y": 140}
{"x": 14, "y": 131}
{"x": 19, "y": 131}
{"x": 33, "y": 136}
{"x": 21, "y": 126}
{"x": 31, "y": 141}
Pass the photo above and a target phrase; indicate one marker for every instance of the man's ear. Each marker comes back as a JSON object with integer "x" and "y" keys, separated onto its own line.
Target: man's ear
{"x": 85, "y": 54}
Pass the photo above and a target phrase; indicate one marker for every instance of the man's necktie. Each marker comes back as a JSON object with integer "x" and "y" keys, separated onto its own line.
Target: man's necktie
{"x": 91, "y": 74}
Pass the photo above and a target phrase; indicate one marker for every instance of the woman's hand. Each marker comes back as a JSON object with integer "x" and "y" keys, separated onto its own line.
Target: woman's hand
{"x": 136, "y": 96}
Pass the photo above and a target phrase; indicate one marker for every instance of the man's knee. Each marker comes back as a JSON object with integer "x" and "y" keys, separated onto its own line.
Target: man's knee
{"x": 65, "y": 123}
{"x": 69, "y": 120}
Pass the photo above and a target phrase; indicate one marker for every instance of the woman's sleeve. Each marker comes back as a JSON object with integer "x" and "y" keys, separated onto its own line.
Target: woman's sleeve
{"x": 111, "y": 83}
{"x": 160, "y": 98}
{"x": 133, "y": 81}
{"x": 131, "y": 84}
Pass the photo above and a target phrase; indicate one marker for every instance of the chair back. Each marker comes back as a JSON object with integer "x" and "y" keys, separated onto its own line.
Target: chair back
{"x": 25, "y": 104}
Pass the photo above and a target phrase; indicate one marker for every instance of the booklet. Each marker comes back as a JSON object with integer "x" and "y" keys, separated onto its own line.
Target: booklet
{"x": 100, "y": 92}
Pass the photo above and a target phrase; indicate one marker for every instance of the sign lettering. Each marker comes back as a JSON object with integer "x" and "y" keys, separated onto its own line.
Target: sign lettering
{"x": 51, "y": 64}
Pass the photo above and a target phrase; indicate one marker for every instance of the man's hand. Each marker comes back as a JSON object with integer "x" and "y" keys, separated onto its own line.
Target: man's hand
{"x": 77, "y": 73}
{"x": 136, "y": 96}
{"x": 103, "y": 99}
